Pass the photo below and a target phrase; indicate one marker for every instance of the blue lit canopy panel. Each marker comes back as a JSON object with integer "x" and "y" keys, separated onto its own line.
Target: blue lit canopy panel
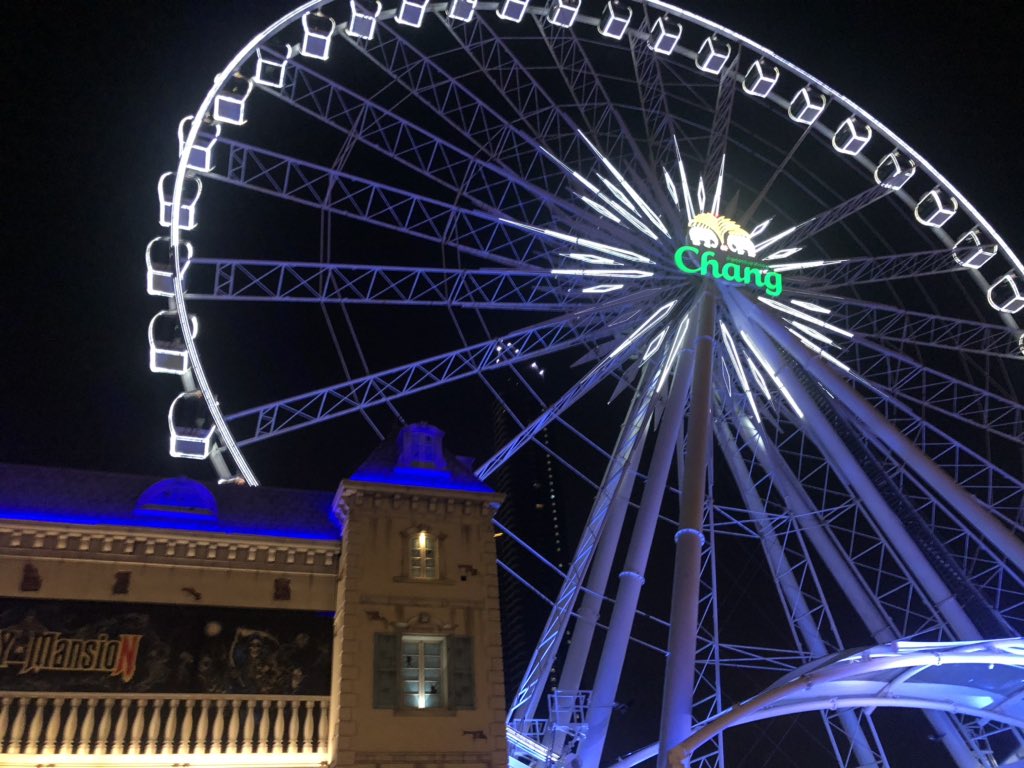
{"x": 770, "y": 353}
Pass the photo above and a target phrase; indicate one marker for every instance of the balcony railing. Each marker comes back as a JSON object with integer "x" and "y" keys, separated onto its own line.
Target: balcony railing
{"x": 82, "y": 724}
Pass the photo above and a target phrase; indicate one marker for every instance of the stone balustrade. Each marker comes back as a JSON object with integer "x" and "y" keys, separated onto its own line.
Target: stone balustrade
{"x": 83, "y": 724}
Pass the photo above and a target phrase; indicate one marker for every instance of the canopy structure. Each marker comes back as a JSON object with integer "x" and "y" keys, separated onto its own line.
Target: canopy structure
{"x": 980, "y": 678}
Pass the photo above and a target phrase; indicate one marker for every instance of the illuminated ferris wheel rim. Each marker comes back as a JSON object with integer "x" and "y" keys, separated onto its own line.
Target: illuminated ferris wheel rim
{"x": 250, "y": 49}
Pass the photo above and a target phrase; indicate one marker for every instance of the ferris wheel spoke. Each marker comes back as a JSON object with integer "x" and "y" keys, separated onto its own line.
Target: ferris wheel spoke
{"x": 605, "y": 514}
{"x": 472, "y": 232}
{"x": 721, "y": 120}
{"x": 598, "y": 373}
{"x": 1002, "y": 587}
{"x": 913, "y": 452}
{"x": 264, "y": 280}
{"x": 556, "y": 133}
{"x": 601, "y": 115}
{"x": 797, "y": 235}
{"x": 799, "y": 587}
{"x": 517, "y": 86}
{"x": 487, "y": 184}
{"x": 895, "y": 325}
{"x": 660, "y": 125}
{"x": 863, "y": 270}
{"x": 271, "y": 419}
{"x": 475, "y": 120}
{"x": 866, "y": 572}
{"x": 903, "y": 378}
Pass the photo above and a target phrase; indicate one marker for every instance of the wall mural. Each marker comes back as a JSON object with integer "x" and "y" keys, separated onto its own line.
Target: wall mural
{"x": 62, "y": 645}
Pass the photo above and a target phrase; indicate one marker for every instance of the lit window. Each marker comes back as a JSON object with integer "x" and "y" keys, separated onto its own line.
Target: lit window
{"x": 423, "y": 555}
{"x": 422, "y": 672}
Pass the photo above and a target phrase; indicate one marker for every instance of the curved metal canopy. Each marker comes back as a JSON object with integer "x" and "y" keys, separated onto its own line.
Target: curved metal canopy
{"x": 980, "y": 678}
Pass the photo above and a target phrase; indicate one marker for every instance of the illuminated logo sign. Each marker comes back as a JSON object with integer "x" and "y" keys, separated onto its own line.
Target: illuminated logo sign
{"x": 37, "y": 652}
{"x": 711, "y": 235}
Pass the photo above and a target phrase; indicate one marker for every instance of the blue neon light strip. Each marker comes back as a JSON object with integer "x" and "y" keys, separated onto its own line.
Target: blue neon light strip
{"x": 163, "y": 521}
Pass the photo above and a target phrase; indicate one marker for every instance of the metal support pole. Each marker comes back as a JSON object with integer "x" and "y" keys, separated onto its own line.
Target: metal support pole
{"x": 945, "y": 487}
{"x": 789, "y": 589}
{"x": 631, "y": 578}
{"x": 863, "y": 602}
{"x": 677, "y": 697}
{"x": 856, "y": 479}
{"x": 631, "y": 440}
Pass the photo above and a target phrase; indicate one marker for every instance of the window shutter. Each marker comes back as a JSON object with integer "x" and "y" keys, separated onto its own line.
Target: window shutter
{"x": 385, "y": 671}
{"x": 461, "y": 685}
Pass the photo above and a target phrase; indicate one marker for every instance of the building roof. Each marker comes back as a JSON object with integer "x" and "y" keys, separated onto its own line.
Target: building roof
{"x": 81, "y": 497}
{"x": 416, "y": 458}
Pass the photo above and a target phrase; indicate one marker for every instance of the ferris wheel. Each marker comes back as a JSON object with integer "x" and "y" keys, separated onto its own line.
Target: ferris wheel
{"x": 778, "y": 345}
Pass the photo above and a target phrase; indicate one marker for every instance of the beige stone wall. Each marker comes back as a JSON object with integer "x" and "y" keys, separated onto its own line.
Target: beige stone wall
{"x": 80, "y": 563}
{"x": 375, "y": 597}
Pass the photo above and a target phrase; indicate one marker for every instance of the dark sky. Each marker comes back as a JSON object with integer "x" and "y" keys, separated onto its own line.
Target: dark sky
{"x": 93, "y": 93}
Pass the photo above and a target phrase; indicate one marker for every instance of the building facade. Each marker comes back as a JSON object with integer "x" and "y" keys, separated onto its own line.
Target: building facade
{"x": 166, "y": 622}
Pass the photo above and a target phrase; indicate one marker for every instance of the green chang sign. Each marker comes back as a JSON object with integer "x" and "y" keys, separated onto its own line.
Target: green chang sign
{"x": 734, "y": 270}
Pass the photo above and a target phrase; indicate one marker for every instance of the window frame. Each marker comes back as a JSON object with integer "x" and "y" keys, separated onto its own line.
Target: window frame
{"x": 422, "y": 642}
{"x": 409, "y": 542}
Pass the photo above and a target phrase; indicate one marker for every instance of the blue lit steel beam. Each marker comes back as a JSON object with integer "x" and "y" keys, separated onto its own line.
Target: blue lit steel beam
{"x": 901, "y": 377}
{"x": 798, "y": 586}
{"x": 871, "y": 576}
{"x": 480, "y": 180}
{"x": 289, "y": 414}
{"x": 863, "y": 270}
{"x": 874, "y": 423}
{"x": 263, "y": 280}
{"x": 602, "y": 118}
{"x": 897, "y": 326}
{"x": 477, "y": 122}
{"x": 472, "y": 232}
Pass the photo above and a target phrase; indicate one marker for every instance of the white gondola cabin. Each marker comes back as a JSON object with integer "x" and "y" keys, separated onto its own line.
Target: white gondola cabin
{"x": 317, "y": 31}
{"x": 760, "y": 79}
{"x": 229, "y": 104}
{"x": 200, "y": 157}
{"x": 191, "y": 426}
{"x": 461, "y": 10}
{"x": 935, "y": 208}
{"x": 851, "y": 136}
{"x": 512, "y": 10}
{"x": 968, "y": 251}
{"x": 806, "y": 105}
{"x": 713, "y": 55}
{"x": 563, "y": 13}
{"x": 271, "y": 64}
{"x": 363, "y": 22}
{"x": 160, "y": 271}
{"x": 894, "y": 170}
{"x": 190, "y": 191}
{"x": 665, "y": 36}
{"x": 167, "y": 350}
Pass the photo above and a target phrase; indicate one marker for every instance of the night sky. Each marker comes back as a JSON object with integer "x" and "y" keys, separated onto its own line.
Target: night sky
{"x": 94, "y": 92}
{"x": 93, "y": 95}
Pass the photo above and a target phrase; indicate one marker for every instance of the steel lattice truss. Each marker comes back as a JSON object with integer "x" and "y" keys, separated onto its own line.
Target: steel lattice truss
{"x": 771, "y": 349}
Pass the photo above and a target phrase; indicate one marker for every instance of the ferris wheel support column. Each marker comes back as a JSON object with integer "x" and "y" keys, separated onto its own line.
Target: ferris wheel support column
{"x": 863, "y": 602}
{"x": 631, "y": 578}
{"x": 857, "y": 480}
{"x": 677, "y": 696}
{"x": 945, "y": 487}
{"x": 789, "y": 588}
